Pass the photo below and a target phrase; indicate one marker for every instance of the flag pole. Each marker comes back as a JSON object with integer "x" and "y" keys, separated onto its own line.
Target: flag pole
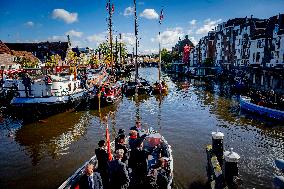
{"x": 108, "y": 143}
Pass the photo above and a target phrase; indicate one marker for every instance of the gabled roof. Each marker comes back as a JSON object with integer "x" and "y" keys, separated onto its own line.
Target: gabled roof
{"x": 27, "y": 55}
{"x": 4, "y": 49}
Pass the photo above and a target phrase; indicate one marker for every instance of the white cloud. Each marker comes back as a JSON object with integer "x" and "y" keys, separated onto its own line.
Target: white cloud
{"x": 208, "y": 26}
{"x": 189, "y": 32}
{"x": 64, "y": 15}
{"x": 193, "y": 22}
{"x": 149, "y": 14}
{"x": 128, "y": 38}
{"x": 57, "y": 38}
{"x": 193, "y": 40}
{"x": 29, "y": 24}
{"x": 128, "y": 11}
{"x": 150, "y": 51}
{"x": 74, "y": 33}
{"x": 170, "y": 37}
{"x": 97, "y": 38}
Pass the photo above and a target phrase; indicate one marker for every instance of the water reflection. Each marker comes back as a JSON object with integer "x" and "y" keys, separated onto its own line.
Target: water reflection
{"x": 52, "y": 137}
{"x": 186, "y": 116}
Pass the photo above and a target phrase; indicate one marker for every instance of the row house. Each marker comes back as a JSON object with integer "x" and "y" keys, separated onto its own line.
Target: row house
{"x": 243, "y": 42}
{"x": 275, "y": 33}
{"x": 7, "y": 58}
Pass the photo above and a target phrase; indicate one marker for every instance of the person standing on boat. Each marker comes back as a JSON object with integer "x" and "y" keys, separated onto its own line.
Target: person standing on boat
{"x": 157, "y": 177}
{"x": 102, "y": 157}
{"x": 137, "y": 128}
{"x": 120, "y": 134}
{"x": 162, "y": 174}
{"x": 132, "y": 139}
{"x": 138, "y": 163}
{"x": 121, "y": 145}
{"x": 27, "y": 81}
{"x": 118, "y": 174}
{"x": 91, "y": 179}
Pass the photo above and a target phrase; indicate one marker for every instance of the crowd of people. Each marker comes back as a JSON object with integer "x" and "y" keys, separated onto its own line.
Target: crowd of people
{"x": 129, "y": 167}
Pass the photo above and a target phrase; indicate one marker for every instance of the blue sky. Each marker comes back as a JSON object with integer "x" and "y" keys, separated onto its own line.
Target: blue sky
{"x": 85, "y": 20}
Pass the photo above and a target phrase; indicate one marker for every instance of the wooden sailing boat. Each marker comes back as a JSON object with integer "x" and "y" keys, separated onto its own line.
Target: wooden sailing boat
{"x": 139, "y": 85}
{"x": 160, "y": 87}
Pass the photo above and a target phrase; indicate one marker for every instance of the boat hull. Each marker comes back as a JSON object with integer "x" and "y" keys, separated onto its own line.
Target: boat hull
{"x": 34, "y": 108}
{"x": 245, "y": 104}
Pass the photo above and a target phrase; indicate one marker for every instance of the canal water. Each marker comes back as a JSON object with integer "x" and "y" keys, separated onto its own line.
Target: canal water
{"x": 44, "y": 154}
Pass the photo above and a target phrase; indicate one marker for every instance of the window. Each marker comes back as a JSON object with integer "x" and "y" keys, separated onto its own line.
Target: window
{"x": 257, "y": 57}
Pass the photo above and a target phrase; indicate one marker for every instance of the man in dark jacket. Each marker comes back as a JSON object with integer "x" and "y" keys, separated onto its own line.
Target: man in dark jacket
{"x": 102, "y": 157}
{"x": 91, "y": 179}
{"x": 139, "y": 163}
{"x": 27, "y": 82}
{"x": 118, "y": 174}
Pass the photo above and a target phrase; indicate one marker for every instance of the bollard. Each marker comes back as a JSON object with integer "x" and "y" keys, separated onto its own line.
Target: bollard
{"x": 217, "y": 145}
{"x": 231, "y": 166}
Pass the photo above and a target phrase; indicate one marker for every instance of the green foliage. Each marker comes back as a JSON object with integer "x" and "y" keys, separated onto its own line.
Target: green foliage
{"x": 53, "y": 60}
{"x": 104, "y": 49}
{"x": 166, "y": 56}
{"x": 176, "y": 56}
{"x": 26, "y": 62}
{"x": 208, "y": 62}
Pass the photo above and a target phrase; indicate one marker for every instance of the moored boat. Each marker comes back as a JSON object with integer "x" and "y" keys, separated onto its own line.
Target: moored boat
{"x": 140, "y": 87}
{"x": 246, "y": 104}
{"x": 112, "y": 94}
{"x": 47, "y": 97}
{"x": 154, "y": 142}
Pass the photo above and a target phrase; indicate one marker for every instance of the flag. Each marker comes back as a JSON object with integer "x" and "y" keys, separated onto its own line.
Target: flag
{"x": 161, "y": 16}
{"x": 107, "y": 6}
{"x": 112, "y": 8}
{"x": 108, "y": 144}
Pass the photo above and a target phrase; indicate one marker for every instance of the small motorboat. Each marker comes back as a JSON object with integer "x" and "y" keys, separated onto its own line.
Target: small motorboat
{"x": 112, "y": 94}
{"x": 153, "y": 142}
{"x": 246, "y": 104}
{"x": 107, "y": 94}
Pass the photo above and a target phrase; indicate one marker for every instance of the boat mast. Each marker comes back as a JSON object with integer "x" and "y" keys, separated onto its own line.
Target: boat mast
{"x": 120, "y": 41}
{"x": 160, "y": 56}
{"x": 136, "y": 41}
{"x": 110, "y": 33}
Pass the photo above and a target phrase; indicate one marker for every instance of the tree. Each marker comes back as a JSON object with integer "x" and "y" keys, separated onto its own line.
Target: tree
{"x": 104, "y": 49}
{"x": 27, "y": 62}
{"x": 166, "y": 56}
{"x": 53, "y": 60}
{"x": 71, "y": 58}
